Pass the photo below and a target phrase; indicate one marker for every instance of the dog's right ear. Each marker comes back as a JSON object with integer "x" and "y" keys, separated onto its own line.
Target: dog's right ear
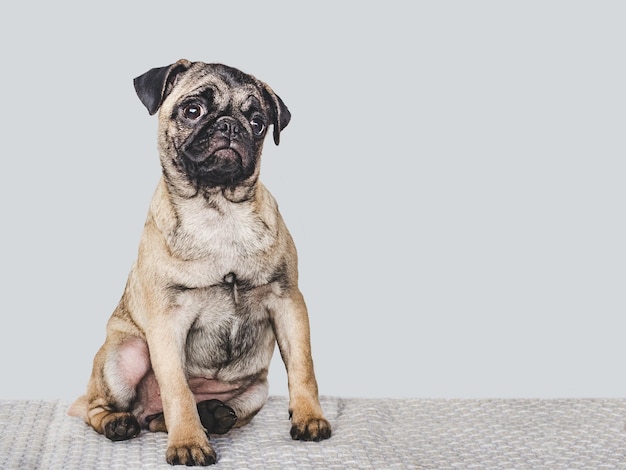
{"x": 153, "y": 86}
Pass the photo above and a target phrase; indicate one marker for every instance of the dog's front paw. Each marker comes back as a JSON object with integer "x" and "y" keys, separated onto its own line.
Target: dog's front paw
{"x": 120, "y": 426}
{"x": 311, "y": 429}
{"x": 216, "y": 417}
{"x": 199, "y": 453}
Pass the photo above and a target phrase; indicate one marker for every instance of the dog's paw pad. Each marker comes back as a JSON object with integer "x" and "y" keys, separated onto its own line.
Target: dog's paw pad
{"x": 314, "y": 429}
{"x": 121, "y": 426}
{"x": 216, "y": 417}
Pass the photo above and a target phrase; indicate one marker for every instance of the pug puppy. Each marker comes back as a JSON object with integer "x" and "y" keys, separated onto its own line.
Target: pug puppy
{"x": 215, "y": 283}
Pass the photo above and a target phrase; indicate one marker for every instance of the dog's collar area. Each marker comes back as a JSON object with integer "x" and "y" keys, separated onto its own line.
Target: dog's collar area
{"x": 231, "y": 280}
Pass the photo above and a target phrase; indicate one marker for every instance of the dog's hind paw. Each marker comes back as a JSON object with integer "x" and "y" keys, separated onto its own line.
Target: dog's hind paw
{"x": 216, "y": 417}
{"x": 121, "y": 426}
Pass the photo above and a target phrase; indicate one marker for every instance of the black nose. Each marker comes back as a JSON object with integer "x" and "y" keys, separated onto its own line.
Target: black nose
{"x": 228, "y": 127}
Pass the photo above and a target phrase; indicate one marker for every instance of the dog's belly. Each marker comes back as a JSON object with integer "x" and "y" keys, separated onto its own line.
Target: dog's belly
{"x": 149, "y": 402}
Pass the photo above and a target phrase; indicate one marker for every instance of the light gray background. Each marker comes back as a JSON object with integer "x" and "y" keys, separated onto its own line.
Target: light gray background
{"x": 453, "y": 177}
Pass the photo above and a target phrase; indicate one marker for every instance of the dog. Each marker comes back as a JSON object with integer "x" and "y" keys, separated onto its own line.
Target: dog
{"x": 215, "y": 283}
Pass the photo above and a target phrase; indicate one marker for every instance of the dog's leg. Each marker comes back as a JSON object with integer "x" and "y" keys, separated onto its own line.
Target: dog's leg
{"x": 119, "y": 366}
{"x": 291, "y": 326}
{"x": 188, "y": 443}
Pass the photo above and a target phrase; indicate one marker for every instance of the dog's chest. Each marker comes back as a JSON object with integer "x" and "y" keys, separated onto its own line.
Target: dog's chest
{"x": 230, "y": 239}
{"x": 232, "y": 268}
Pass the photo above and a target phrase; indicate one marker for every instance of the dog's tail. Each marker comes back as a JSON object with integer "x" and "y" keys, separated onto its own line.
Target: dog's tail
{"x": 79, "y": 408}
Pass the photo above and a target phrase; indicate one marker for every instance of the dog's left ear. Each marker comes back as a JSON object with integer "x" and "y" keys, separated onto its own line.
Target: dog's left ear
{"x": 280, "y": 114}
{"x": 153, "y": 86}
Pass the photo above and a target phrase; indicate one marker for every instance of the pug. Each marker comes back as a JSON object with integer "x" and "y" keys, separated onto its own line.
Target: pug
{"x": 215, "y": 282}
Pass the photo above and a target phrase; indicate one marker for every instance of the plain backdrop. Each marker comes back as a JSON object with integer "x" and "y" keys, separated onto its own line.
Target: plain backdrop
{"x": 453, "y": 176}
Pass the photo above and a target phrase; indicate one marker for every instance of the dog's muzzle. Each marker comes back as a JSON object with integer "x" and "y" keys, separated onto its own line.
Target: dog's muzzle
{"x": 221, "y": 154}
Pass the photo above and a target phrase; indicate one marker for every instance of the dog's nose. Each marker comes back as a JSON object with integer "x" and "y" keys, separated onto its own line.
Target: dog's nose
{"x": 228, "y": 127}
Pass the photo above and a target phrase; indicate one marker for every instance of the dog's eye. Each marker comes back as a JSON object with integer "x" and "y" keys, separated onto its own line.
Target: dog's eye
{"x": 192, "y": 111}
{"x": 258, "y": 126}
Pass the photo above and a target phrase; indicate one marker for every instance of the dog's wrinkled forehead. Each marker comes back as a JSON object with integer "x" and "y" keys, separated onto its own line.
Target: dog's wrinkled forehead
{"x": 222, "y": 86}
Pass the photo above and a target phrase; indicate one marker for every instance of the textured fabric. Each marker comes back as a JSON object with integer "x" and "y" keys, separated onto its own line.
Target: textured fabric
{"x": 367, "y": 433}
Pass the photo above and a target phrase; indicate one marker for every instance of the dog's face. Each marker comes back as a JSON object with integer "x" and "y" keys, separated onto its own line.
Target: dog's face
{"x": 212, "y": 123}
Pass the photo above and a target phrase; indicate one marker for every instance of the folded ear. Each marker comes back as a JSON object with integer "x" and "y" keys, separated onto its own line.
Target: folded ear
{"x": 280, "y": 114}
{"x": 153, "y": 86}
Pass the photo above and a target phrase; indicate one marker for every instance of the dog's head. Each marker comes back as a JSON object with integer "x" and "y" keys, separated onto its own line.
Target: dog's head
{"x": 212, "y": 123}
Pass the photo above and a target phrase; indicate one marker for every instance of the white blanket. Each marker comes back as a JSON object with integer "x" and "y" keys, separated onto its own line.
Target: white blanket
{"x": 367, "y": 434}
